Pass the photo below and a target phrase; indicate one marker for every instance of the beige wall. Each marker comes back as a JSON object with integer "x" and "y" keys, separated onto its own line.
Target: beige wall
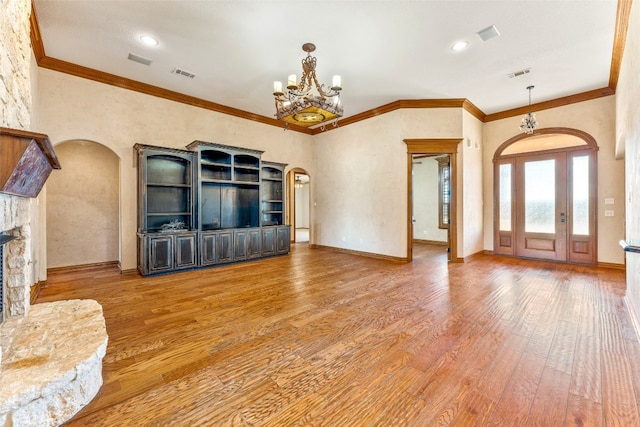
{"x": 597, "y": 118}
{"x": 71, "y": 108}
{"x": 361, "y": 180}
{"x": 628, "y": 136}
{"x": 471, "y": 167}
{"x": 82, "y": 206}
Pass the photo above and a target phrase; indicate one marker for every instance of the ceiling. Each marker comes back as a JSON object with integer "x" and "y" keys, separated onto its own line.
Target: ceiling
{"x": 385, "y": 50}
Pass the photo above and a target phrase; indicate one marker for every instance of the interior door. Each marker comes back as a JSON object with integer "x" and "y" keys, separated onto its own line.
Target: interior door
{"x": 541, "y": 206}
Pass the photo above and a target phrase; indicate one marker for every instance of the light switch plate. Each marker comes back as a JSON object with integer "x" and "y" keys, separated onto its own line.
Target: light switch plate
{"x": 608, "y": 213}
{"x": 609, "y": 201}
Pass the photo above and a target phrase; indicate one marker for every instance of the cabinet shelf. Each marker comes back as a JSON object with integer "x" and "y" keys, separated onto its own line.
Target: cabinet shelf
{"x": 215, "y": 181}
{"x": 272, "y": 212}
{"x": 212, "y": 163}
{"x": 161, "y": 184}
{"x": 247, "y": 183}
{"x": 229, "y": 181}
{"x": 265, "y": 178}
{"x": 272, "y": 201}
{"x": 167, "y": 213}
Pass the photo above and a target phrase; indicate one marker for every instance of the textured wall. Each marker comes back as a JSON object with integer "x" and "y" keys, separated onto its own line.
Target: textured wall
{"x": 72, "y": 108}
{"x": 628, "y": 134}
{"x": 361, "y": 181}
{"x": 82, "y": 206}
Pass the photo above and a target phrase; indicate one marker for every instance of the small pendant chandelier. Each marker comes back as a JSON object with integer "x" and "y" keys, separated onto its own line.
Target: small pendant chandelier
{"x": 308, "y": 103}
{"x": 529, "y": 122}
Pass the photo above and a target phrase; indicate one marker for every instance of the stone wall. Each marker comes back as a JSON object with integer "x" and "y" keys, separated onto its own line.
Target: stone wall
{"x": 15, "y": 63}
{"x": 15, "y": 112}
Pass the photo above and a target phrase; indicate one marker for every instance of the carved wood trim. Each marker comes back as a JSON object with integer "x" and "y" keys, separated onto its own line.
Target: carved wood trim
{"x": 435, "y": 146}
{"x": 590, "y": 141}
{"x": 619, "y": 39}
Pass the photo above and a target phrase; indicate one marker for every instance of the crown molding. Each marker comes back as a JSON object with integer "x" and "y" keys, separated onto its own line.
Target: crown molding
{"x": 558, "y": 102}
{"x": 622, "y": 24}
{"x": 409, "y": 103}
{"x": 619, "y": 40}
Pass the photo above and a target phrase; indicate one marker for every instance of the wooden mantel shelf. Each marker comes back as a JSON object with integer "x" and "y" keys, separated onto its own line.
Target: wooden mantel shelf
{"x": 26, "y": 160}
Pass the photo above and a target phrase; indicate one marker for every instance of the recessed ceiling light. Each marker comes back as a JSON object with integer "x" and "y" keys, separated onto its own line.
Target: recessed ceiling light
{"x": 459, "y": 45}
{"x": 149, "y": 40}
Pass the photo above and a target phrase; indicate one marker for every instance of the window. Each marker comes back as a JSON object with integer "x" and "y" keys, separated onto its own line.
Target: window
{"x": 444, "y": 191}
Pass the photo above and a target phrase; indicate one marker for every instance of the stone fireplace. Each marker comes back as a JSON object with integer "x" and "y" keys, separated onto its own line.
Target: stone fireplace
{"x": 16, "y": 272}
{"x": 5, "y": 238}
{"x": 51, "y": 353}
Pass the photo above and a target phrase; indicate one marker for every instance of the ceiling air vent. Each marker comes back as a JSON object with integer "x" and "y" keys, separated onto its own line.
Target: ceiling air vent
{"x": 488, "y": 33}
{"x": 139, "y": 59}
{"x": 519, "y": 73}
{"x": 183, "y": 73}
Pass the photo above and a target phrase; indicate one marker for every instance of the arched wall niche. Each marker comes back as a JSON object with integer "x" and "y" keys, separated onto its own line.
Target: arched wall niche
{"x": 82, "y": 205}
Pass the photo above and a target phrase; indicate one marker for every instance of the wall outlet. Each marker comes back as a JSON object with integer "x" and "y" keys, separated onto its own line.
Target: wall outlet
{"x": 609, "y": 201}
{"x": 608, "y": 213}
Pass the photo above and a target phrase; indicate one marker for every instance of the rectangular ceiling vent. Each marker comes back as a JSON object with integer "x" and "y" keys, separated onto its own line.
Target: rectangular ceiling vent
{"x": 139, "y": 59}
{"x": 183, "y": 73}
{"x": 488, "y": 33}
{"x": 519, "y": 73}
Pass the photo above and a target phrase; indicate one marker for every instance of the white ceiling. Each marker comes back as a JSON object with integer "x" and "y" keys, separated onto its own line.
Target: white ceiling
{"x": 385, "y": 50}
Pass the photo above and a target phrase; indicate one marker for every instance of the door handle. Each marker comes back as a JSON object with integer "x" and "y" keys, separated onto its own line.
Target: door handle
{"x": 563, "y": 219}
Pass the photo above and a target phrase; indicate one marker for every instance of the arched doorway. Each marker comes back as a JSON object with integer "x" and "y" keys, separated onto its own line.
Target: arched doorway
{"x": 299, "y": 205}
{"x": 545, "y": 196}
{"x": 83, "y": 206}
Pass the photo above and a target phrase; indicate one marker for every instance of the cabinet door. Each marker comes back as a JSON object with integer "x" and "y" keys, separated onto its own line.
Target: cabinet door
{"x": 224, "y": 245}
{"x": 208, "y": 248}
{"x": 160, "y": 253}
{"x": 254, "y": 244}
{"x": 240, "y": 238}
{"x": 185, "y": 250}
{"x": 284, "y": 241}
{"x": 269, "y": 241}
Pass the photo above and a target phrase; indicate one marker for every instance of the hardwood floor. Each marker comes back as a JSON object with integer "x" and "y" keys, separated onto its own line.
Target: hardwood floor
{"x": 329, "y": 339}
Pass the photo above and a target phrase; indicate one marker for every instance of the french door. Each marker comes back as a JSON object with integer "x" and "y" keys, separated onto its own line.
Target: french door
{"x": 546, "y": 206}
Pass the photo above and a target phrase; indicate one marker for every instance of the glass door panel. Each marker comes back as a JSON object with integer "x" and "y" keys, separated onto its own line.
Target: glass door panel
{"x": 505, "y": 197}
{"x": 541, "y": 220}
{"x": 582, "y": 202}
{"x": 539, "y": 197}
{"x": 504, "y": 237}
{"x": 580, "y": 190}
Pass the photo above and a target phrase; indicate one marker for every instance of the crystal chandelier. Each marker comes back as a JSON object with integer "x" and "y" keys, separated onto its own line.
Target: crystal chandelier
{"x": 308, "y": 103}
{"x": 529, "y": 122}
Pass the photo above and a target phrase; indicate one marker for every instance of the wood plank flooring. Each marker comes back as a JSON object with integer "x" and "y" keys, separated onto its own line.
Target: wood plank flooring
{"x": 323, "y": 338}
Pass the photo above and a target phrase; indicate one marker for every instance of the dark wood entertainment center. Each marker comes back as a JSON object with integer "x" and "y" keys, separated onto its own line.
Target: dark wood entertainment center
{"x": 207, "y": 205}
